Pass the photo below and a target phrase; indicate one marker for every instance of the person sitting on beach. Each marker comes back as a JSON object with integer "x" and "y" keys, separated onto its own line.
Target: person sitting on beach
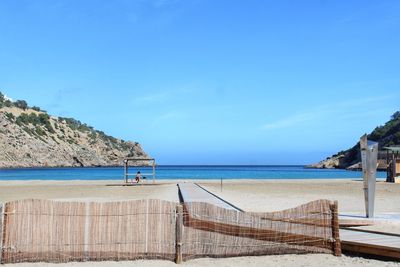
{"x": 138, "y": 176}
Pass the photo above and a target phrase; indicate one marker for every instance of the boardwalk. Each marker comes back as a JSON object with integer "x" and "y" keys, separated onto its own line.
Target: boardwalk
{"x": 354, "y": 241}
{"x": 191, "y": 192}
{"x": 371, "y": 243}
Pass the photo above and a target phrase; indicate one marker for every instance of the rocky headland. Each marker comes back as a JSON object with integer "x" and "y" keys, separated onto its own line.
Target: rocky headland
{"x": 29, "y": 137}
{"x": 386, "y": 135}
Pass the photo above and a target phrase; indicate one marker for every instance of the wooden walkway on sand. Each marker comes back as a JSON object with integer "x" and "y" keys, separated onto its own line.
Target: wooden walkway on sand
{"x": 192, "y": 192}
{"x": 369, "y": 243}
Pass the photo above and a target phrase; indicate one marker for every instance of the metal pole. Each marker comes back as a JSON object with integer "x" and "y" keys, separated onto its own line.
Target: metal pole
{"x": 369, "y": 159}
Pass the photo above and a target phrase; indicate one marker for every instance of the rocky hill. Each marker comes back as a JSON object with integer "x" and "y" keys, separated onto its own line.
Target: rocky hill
{"x": 386, "y": 135}
{"x": 29, "y": 137}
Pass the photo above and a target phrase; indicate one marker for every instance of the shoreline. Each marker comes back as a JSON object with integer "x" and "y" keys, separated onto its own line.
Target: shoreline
{"x": 183, "y": 172}
{"x": 193, "y": 180}
{"x": 168, "y": 165}
{"x": 305, "y": 167}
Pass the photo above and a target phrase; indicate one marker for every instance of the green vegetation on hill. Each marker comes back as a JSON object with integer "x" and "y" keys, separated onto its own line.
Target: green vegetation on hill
{"x": 30, "y": 137}
{"x": 43, "y": 126}
{"x": 22, "y": 104}
{"x": 42, "y": 119}
{"x": 387, "y": 135}
{"x": 93, "y": 134}
{"x": 5, "y": 102}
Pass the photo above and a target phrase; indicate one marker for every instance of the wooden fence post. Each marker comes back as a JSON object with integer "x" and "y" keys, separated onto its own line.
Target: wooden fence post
{"x": 86, "y": 234}
{"x": 179, "y": 229}
{"x": 1, "y": 230}
{"x": 337, "y": 249}
{"x": 4, "y": 219}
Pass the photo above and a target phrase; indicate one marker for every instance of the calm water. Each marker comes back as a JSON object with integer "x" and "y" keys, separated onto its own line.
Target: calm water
{"x": 180, "y": 172}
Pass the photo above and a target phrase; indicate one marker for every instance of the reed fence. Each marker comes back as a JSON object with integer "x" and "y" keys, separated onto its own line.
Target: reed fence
{"x": 51, "y": 231}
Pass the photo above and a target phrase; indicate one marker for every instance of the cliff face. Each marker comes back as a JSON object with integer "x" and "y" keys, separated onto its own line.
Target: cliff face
{"x": 32, "y": 138}
{"x": 329, "y": 163}
{"x": 387, "y": 135}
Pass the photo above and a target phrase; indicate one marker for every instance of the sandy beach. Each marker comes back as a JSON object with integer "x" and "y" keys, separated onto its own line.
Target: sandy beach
{"x": 249, "y": 195}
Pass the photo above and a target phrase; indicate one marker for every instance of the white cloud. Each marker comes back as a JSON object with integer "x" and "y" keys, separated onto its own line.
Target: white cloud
{"x": 163, "y": 96}
{"x": 339, "y": 109}
{"x": 167, "y": 116}
{"x": 290, "y": 121}
{"x": 153, "y": 98}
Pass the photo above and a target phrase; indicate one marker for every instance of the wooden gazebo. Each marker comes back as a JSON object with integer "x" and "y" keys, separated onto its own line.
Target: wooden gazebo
{"x": 140, "y": 162}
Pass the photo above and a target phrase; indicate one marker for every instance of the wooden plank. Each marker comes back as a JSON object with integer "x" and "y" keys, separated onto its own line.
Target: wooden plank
{"x": 378, "y": 251}
{"x": 343, "y": 223}
{"x": 372, "y": 238}
{"x": 373, "y": 232}
{"x": 371, "y": 243}
{"x": 224, "y": 201}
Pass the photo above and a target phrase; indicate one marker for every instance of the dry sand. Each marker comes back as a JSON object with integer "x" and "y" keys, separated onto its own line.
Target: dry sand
{"x": 272, "y": 195}
{"x": 260, "y": 261}
{"x": 86, "y": 190}
{"x": 259, "y": 196}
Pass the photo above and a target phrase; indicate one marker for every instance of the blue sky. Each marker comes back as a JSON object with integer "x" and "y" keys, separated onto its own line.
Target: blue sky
{"x": 209, "y": 82}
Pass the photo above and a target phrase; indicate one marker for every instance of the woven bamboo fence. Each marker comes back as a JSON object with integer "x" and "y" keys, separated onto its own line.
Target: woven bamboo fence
{"x": 51, "y": 231}
{"x": 211, "y": 231}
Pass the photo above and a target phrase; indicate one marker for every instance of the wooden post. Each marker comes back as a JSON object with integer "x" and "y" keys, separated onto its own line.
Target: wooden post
{"x": 179, "y": 230}
{"x": 1, "y": 231}
{"x": 154, "y": 171}
{"x": 395, "y": 171}
{"x": 126, "y": 171}
{"x": 392, "y": 179}
{"x": 4, "y": 250}
{"x": 86, "y": 234}
{"x": 336, "y": 246}
{"x": 387, "y": 167}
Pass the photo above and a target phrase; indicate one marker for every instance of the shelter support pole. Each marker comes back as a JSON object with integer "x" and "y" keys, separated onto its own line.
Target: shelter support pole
{"x": 337, "y": 249}
{"x": 126, "y": 171}
{"x": 179, "y": 232}
{"x": 387, "y": 167}
{"x": 392, "y": 179}
{"x": 395, "y": 170}
{"x": 154, "y": 171}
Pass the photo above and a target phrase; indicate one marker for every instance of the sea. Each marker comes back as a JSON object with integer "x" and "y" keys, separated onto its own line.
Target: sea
{"x": 183, "y": 172}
